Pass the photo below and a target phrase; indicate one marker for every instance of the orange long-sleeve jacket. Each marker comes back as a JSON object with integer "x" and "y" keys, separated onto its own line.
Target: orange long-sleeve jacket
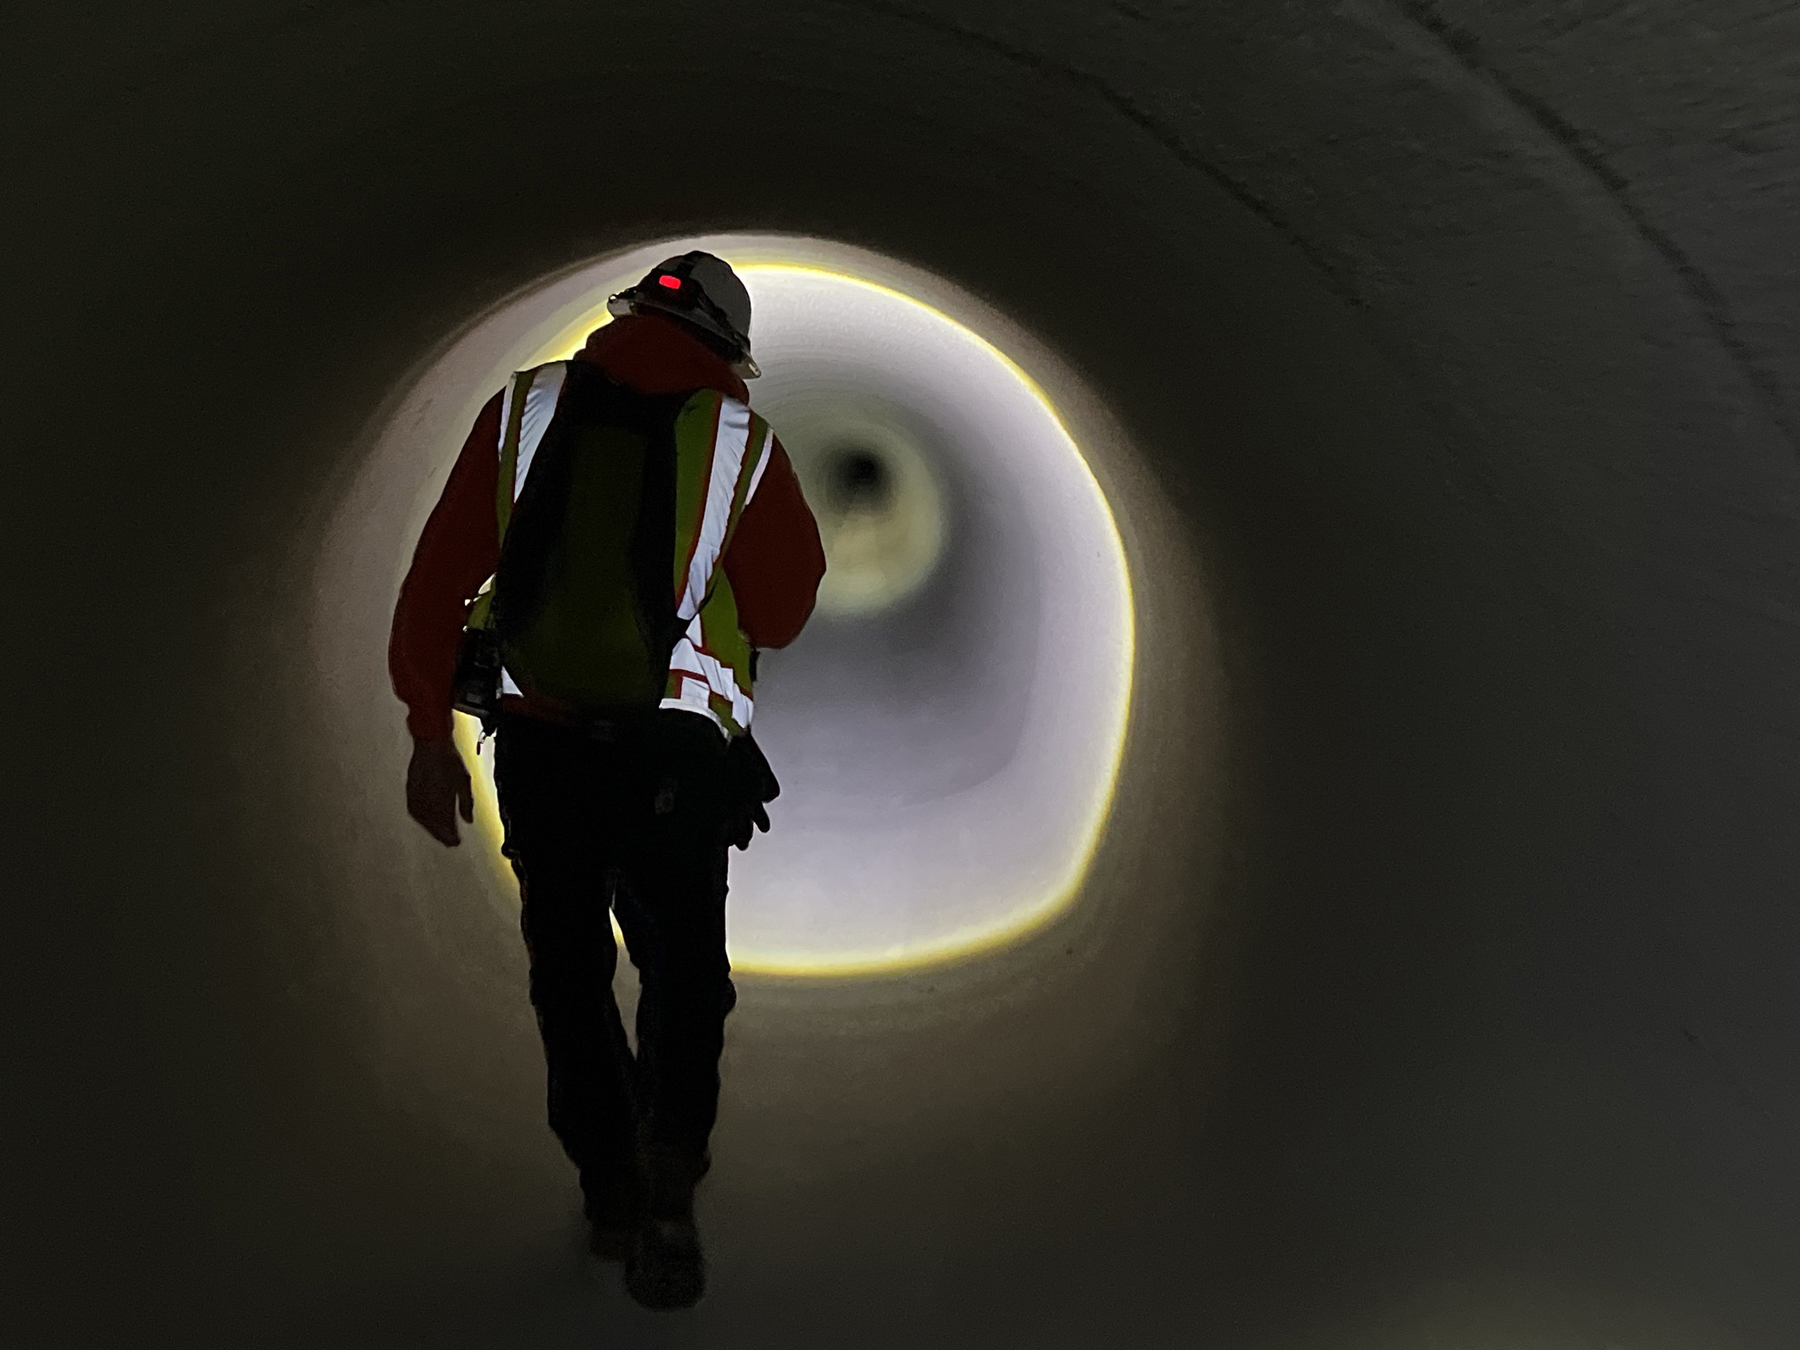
{"x": 774, "y": 563}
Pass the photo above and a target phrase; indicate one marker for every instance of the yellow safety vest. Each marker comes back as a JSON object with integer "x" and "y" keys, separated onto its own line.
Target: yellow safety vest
{"x": 721, "y": 450}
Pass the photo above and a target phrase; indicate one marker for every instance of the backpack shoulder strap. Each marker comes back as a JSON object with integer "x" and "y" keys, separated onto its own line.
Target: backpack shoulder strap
{"x": 526, "y": 406}
{"x": 722, "y": 448}
{"x": 526, "y": 409}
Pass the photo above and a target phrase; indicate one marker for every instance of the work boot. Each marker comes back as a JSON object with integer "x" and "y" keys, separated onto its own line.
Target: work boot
{"x": 614, "y": 1201}
{"x": 666, "y": 1268}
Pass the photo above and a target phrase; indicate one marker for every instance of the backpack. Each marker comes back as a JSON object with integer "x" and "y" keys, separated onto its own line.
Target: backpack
{"x": 583, "y": 613}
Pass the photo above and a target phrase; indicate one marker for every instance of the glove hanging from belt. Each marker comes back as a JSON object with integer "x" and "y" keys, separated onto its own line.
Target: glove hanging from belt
{"x": 752, "y": 785}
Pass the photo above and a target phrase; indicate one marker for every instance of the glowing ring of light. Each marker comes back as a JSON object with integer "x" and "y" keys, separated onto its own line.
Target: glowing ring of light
{"x": 765, "y": 269}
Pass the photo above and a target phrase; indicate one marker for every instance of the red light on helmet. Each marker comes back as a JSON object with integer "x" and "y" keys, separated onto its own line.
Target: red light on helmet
{"x": 673, "y": 283}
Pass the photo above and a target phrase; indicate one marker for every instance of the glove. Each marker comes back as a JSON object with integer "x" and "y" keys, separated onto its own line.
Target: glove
{"x": 741, "y": 829}
{"x": 752, "y": 785}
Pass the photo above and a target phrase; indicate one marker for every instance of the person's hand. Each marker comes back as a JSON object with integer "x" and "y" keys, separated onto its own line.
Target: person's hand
{"x": 743, "y": 826}
{"x": 752, "y": 786}
{"x": 438, "y": 789}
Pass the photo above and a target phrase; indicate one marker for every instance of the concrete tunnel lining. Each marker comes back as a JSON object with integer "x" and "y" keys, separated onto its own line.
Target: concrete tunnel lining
{"x": 1491, "y": 1030}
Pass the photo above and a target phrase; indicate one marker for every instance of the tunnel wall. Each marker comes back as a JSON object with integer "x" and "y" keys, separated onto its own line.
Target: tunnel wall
{"x": 1459, "y": 342}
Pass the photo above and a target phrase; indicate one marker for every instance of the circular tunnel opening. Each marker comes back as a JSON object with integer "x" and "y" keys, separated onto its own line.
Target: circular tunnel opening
{"x": 880, "y": 497}
{"x": 949, "y": 729}
{"x": 860, "y": 481}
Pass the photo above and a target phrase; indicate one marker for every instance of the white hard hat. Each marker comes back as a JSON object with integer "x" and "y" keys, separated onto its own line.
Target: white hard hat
{"x": 700, "y": 290}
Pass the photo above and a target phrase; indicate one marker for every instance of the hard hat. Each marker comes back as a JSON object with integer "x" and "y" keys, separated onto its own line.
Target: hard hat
{"x": 701, "y": 290}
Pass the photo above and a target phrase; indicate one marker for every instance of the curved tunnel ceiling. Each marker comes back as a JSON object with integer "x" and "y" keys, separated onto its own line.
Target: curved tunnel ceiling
{"x": 1434, "y": 981}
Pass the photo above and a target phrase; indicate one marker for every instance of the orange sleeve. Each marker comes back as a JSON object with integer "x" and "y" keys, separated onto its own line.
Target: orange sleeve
{"x": 775, "y": 561}
{"x": 457, "y": 551}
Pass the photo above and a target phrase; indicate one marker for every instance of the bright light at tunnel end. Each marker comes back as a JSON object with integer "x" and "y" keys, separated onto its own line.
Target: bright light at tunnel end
{"x": 762, "y": 263}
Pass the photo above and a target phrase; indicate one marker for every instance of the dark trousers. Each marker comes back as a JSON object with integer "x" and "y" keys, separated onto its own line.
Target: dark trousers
{"x": 635, "y": 826}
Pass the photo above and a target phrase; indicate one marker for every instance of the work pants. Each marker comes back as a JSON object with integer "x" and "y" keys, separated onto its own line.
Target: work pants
{"x": 634, "y": 825}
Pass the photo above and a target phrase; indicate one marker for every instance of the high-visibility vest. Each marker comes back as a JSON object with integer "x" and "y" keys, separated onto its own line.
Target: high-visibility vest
{"x": 721, "y": 450}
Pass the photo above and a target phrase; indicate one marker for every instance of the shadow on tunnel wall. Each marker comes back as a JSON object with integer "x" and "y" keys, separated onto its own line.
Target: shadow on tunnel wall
{"x": 1456, "y": 347}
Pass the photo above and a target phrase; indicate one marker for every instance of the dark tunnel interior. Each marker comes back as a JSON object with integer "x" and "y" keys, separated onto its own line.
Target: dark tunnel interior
{"x": 861, "y": 477}
{"x": 1437, "y": 980}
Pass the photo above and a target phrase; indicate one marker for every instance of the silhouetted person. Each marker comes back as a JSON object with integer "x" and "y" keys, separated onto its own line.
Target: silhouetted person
{"x": 619, "y": 536}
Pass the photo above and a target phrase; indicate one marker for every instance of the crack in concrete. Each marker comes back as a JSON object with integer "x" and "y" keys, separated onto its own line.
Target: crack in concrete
{"x": 1715, "y": 308}
{"x": 1464, "y": 49}
{"x": 1146, "y": 122}
{"x": 1726, "y": 1067}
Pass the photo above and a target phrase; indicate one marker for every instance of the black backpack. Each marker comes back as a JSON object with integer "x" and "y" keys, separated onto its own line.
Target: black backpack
{"x": 584, "y": 601}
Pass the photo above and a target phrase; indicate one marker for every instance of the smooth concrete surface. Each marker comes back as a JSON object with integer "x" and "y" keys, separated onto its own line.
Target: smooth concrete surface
{"x": 1437, "y": 983}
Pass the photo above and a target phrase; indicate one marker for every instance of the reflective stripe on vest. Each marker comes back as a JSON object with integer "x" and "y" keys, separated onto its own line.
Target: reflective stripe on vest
{"x": 525, "y": 412}
{"x": 721, "y": 450}
{"x": 721, "y": 447}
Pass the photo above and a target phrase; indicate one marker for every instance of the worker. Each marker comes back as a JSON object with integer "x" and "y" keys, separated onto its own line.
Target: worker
{"x": 618, "y": 539}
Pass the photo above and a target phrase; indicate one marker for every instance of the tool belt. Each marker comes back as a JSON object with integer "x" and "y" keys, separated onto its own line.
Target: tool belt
{"x": 475, "y": 689}
{"x": 750, "y": 781}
